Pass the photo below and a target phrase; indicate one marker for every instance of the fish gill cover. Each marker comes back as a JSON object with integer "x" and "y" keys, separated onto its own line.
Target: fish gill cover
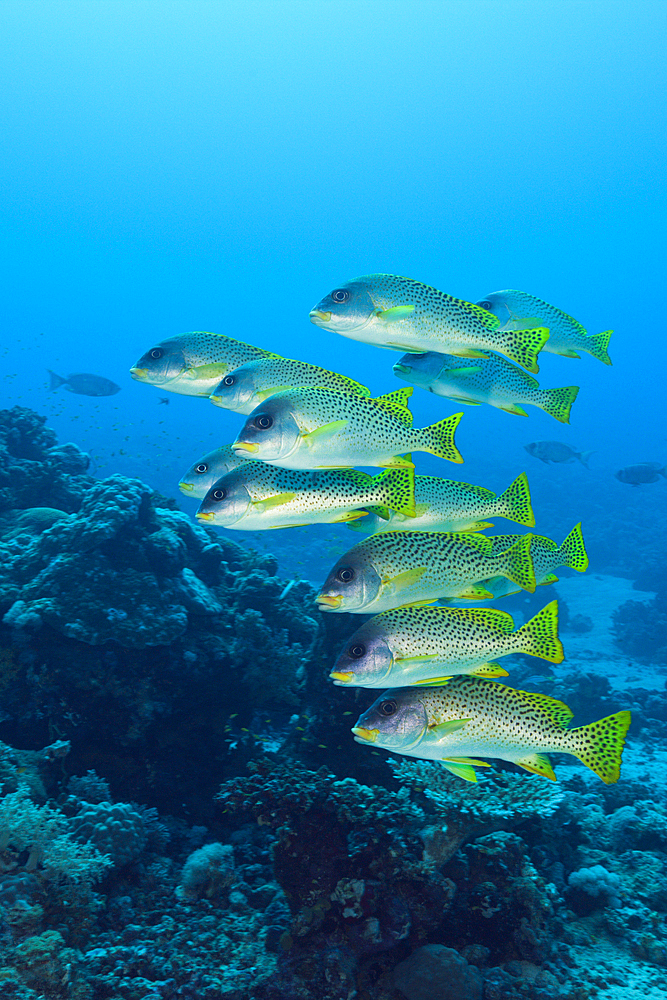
{"x": 184, "y": 811}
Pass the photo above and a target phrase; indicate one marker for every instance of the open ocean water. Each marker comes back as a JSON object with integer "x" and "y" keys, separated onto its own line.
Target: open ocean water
{"x": 184, "y": 165}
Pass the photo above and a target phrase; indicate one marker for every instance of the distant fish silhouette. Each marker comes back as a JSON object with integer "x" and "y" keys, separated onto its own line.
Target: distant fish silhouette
{"x": 84, "y": 384}
{"x": 556, "y": 451}
{"x": 163, "y": 399}
{"x": 643, "y": 472}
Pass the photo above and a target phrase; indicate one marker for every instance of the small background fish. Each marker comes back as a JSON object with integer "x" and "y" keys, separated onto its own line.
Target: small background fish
{"x": 84, "y": 384}
{"x": 643, "y": 472}
{"x": 556, "y": 451}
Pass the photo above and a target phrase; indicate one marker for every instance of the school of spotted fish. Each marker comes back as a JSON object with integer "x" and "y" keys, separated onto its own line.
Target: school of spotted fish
{"x": 294, "y": 463}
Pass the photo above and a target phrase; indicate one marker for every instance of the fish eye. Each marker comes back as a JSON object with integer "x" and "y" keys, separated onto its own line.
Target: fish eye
{"x": 340, "y": 295}
{"x": 156, "y": 353}
{"x": 356, "y": 652}
{"x": 345, "y": 574}
{"x": 388, "y": 707}
{"x": 218, "y": 494}
{"x": 228, "y": 380}
{"x": 263, "y": 422}
{"x": 202, "y": 467}
{"x": 485, "y": 304}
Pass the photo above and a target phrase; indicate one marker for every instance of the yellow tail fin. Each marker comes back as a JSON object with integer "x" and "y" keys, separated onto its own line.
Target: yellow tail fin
{"x": 539, "y": 636}
{"x": 600, "y": 745}
{"x": 439, "y": 438}
{"x": 597, "y": 346}
{"x": 558, "y": 402}
{"x": 572, "y": 552}
{"x": 514, "y": 503}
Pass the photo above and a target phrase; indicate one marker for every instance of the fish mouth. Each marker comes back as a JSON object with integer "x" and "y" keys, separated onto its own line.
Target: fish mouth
{"x": 186, "y": 487}
{"x": 362, "y": 735}
{"x": 216, "y": 400}
{"x": 139, "y": 373}
{"x": 205, "y": 516}
{"x": 405, "y": 369}
{"x": 245, "y": 446}
{"x": 331, "y": 602}
{"x": 341, "y": 676}
{"x": 318, "y": 317}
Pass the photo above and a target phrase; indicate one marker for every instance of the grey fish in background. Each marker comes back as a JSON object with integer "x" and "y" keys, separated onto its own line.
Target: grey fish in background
{"x": 193, "y": 363}
{"x": 201, "y": 475}
{"x": 518, "y": 311}
{"x": 493, "y": 380}
{"x": 84, "y": 384}
{"x": 643, "y": 472}
{"x": 556, "y": 451}
{"x": 405, "y": 315}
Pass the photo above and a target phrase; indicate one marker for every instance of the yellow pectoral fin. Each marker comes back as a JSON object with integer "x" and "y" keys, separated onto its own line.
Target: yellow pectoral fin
{"x": 470, "y": 370}
{"x": 436, "y": 733}
{"x": 537, "y": 763}
{"x": 489, "y": 670}
{"x": 475, "y": 593}
{"x": 274, "y": 501}
{"x": 431, "y": 681}
{"x": 465, "y": 771}
{"x": 468, "y": 760}
{"x": 325, "y": 431}
{"x": 265, "y": 393}
{"x": 207, "y": 371}
{"x": 398, "y": 312}
{"x": 350, "y": 515}
{"x": 397, "y": 584}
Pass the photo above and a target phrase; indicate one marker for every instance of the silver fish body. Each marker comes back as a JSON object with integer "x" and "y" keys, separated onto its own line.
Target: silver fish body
{"x": 245, "y": 388}
{"x": 317, "y": 428}
{"x": 258, "y": 496}
{"x": 405, "y": 315}
{"x": 203, "y": 473}
{"x": 517, "y": 310}
{"x": 193, "y": 363}
{"x": 493, "y": 380}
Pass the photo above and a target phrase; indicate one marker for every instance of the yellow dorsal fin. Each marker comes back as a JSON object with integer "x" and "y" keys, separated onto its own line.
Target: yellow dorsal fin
{"x": 557, "y": 711}
{"x": 396, "y": 403}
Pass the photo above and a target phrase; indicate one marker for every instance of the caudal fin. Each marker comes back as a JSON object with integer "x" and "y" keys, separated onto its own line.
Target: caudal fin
{"x": 523, "y": 346}
{"x": 539, "y": 636}
{"x": 597, "y": 346}
{"x": 396, "y": 490}
{"x": 516, "y": 564}
{"x": 439, "y": 438}
{"x": 572, "y": 552}
{"x": 55, "y": 381}
{"x": 583, "y": 457}
{"x": 600, "y": 745}
{"x": 514, "y": 503}
{"x": 558, "y": 402}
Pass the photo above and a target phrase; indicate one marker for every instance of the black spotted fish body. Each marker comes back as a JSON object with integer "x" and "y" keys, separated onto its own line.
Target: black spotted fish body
{"x": 416, "y": 645}
{"x": 318, "y": 428}
{"x": 406, "y": 315}
{"x": 244, "y": 388}
{"x": 547, "y": 555}
{"x": 469, "y": 718}
{"x": 193, "y": 363}
{"x": 517, "y": 310}
{"x": 397, "y": 568}
{"x": 447, "y": 505}
{"x": 259, "y": 496}
{"x": 493, "y": 380}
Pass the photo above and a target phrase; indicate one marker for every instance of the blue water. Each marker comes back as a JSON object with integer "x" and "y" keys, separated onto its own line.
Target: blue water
{"x": 174, "y": 166}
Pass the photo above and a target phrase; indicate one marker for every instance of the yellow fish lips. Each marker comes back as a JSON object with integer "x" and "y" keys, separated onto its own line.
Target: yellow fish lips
{"x": 341, "y": 676}
{"x": 332, "y": 601}
{"x": 205, "y": 516}
{"x": 186, "y": 487}
{"x": 139, "y": 373}
{"x": 317, "y": 316}
{"x": 245, "y": 446}
{"x": 362, "y": 735}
